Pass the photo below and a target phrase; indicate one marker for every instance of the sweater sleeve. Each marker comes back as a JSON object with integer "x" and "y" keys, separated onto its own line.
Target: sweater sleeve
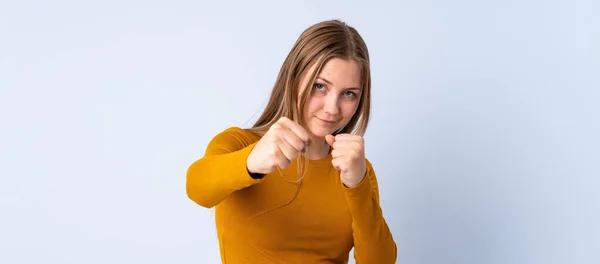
{"x": 373, "y": 241}
{"x": 222, "y": 170}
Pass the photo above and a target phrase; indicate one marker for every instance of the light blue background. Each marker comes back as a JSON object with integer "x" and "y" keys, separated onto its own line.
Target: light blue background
{"x": 484, "y": 133}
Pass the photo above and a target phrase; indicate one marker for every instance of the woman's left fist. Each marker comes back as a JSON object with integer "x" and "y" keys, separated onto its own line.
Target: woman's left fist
{"x": 348, "y": 153}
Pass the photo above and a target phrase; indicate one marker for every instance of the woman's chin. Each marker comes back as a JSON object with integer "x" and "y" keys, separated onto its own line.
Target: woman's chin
{"x": 321, "y": 132}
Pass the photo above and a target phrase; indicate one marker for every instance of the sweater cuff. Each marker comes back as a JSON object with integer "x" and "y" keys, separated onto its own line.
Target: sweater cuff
{"x": 244, "y": 177}
{"x": 362, "y": 191}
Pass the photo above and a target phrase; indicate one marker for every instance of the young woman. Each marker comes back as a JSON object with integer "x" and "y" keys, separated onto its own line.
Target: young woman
{"x": 296, "y": 187}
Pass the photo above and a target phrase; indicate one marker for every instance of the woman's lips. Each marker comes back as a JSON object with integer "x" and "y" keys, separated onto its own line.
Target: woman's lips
{"x": 329, "y": 122}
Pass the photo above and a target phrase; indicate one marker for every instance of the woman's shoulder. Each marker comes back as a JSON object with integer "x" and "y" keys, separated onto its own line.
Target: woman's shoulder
{"x": 239, "y": 132}
{"x": 233, "y": 138}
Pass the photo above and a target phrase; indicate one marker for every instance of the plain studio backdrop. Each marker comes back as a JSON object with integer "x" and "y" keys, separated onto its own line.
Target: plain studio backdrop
{"x": 484, "y": 132}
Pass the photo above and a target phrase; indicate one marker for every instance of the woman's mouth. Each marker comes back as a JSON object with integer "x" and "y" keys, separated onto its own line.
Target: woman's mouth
{"x": 327, "y": 122}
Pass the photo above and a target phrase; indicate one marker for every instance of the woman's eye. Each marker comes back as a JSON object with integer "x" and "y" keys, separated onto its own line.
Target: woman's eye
{"x": 319, "y": 86}
{"x": 349, "y": 93}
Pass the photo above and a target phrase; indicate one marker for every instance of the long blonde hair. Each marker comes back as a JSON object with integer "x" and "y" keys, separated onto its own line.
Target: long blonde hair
{"x": 315, "y": 46}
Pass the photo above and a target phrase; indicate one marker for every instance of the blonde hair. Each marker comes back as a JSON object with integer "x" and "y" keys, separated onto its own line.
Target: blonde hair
{"x": 315, "y": 46}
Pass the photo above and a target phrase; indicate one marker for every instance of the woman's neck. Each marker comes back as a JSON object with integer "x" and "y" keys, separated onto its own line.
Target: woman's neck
{"x": 318, "y": 149}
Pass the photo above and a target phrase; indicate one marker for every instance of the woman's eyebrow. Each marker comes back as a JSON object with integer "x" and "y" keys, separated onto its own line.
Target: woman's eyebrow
{"x": 328, "y": 82}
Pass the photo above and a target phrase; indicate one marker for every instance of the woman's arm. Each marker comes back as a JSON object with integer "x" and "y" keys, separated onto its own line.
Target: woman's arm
{"x": 222, "y": 170}
{"x": 373, "y": 241}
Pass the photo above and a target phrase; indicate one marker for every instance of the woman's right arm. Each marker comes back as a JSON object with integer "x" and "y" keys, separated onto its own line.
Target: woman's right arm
{"x": 222, "y": 170}
{"x": 234, "y": 157}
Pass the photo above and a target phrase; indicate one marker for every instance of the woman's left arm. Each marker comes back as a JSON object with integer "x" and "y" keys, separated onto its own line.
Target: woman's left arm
{"x": 373, "y": 240}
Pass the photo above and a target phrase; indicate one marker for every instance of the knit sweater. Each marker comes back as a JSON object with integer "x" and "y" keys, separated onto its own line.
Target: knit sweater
{"x": 274, "y": 219}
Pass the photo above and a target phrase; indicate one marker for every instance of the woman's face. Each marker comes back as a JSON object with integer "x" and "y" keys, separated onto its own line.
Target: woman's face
{"x": 334, "y": 97}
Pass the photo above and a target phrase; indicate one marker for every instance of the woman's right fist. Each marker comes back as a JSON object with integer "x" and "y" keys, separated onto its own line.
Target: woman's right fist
{"x": 282, "y": 143}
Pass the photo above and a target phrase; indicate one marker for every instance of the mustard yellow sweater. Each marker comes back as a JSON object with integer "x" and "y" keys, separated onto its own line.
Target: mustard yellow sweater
{"x": 321, "y": 224}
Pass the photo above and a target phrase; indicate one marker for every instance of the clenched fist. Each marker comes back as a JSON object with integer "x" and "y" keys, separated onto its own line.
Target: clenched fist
{"x": 282, "y": 143}
{"x": 348, "y": 153}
